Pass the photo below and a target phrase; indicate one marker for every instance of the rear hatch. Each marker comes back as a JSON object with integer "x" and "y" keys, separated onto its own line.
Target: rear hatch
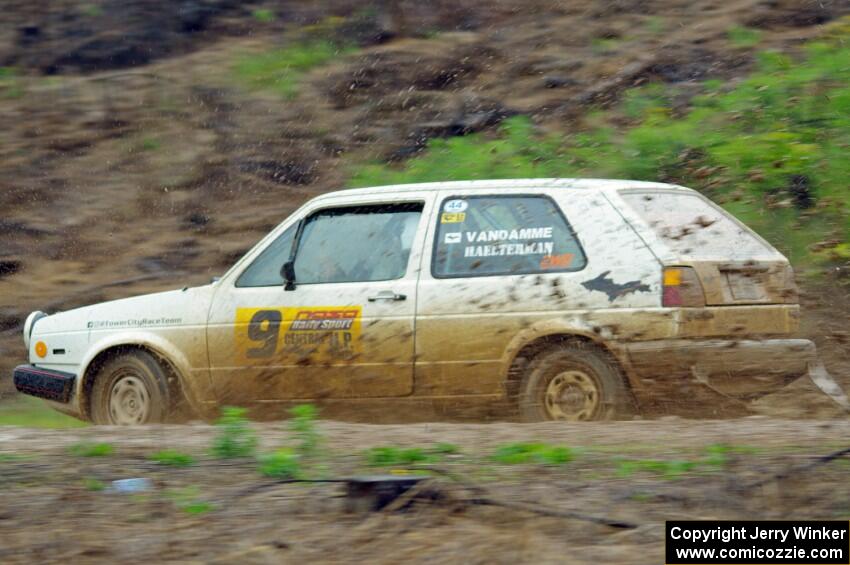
{"x": 734, "y": 265}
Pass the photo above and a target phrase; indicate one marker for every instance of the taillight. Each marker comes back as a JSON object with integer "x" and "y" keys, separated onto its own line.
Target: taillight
{"x": 681, "y": 288}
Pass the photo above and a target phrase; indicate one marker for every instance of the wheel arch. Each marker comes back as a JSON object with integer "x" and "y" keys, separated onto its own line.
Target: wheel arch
{"x": 170, "y": 358}
{"x": 528, "y": 344}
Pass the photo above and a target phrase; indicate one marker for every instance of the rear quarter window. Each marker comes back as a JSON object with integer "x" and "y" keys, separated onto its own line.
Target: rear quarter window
{"x": 503, "y": 235}
{"x": 695, "y": 228}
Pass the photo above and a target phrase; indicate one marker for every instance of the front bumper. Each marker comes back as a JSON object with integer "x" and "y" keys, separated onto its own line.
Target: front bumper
{"x": 49, "y": 384}
{"x": 738, "y": 368}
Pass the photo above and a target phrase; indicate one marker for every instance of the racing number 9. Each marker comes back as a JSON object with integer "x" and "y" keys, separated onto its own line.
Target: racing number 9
{"x": 264, "y": 327}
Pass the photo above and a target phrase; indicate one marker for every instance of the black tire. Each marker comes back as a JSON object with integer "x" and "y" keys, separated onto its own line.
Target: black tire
{"x": 575, "y": 382}
{"x": 131, "y": 388}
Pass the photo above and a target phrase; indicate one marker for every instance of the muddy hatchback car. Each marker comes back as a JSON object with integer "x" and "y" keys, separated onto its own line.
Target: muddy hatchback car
{"x": 543, "y": 299}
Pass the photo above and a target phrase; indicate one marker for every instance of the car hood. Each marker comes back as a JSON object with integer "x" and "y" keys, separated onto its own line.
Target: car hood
{"x": 188, "y": 306}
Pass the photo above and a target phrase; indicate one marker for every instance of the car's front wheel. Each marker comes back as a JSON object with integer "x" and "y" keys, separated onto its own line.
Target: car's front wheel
{"x": 130, "y": 389}
{"x": 573, "y": 382}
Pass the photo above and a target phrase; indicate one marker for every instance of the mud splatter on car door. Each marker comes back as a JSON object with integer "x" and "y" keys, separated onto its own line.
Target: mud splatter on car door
{"x": 346, "y": 328}
{"x": 507, "y": 268}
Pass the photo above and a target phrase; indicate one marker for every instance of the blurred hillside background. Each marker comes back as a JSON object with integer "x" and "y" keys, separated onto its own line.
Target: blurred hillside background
{"x": 148, "y": 144}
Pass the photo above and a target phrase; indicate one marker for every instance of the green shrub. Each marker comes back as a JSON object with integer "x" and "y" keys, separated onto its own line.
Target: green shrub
{"x": 518, "y": 453}
{"x": 86, "y": 449}
{"x": 280, "y": 464}
{"x": 235, "y": 438}
{"x": 289, "y": 463}
{"x": 303, "y": 425}
{"x": 172, "y": 458}
{"x": 518, "y": 152}
{"x": 743, "y": 145}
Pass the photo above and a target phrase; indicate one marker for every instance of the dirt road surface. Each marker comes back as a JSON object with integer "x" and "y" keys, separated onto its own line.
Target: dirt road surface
{"x": 58, "y": 507}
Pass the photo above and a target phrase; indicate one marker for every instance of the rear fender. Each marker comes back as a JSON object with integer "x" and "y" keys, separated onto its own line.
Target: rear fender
{"x": 578, "y": 326}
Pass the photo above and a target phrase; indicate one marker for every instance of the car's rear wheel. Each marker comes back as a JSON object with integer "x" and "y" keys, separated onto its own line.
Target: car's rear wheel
{"x": 573, "y": 382}
{"x": 131, "y": 389}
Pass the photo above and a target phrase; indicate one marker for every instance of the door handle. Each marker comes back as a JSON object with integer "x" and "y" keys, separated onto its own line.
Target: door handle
{"x": 388, "y": 295}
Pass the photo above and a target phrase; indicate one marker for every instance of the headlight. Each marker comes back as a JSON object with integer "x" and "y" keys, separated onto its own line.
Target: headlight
{"x": 30, "y": 324}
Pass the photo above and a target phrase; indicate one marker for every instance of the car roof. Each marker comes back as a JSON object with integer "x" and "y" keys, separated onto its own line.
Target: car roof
{"x": 602, "y": 185}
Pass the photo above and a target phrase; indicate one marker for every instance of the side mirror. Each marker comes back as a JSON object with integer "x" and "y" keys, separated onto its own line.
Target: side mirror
{"x": 288, "y": 274}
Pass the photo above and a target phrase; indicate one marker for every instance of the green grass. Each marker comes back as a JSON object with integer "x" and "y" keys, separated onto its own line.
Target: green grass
{"x": 11, "y": 85}
{"x": 713, "y": 458}
{"x": 94, "y": 485}
{"x": 197, "y": 507}
{"x": 14, "y": 457}
{"x": 281, "y": 70}
{"x": 263, "y": 15}
{"x": 718, "y": 454}
{"x": 656, "y": 24}
{"x": 518, "y": 453}
{"x": 29, "y": 412}
{"x": 744, "y": 36}
{"x": 668, "y": 469}
{"x": 188, "y": 500}
{"x": 746, "y": 146}
{"x": 602, "y": 45}
{"x": 87, "y": 449}
{"x": 150, "y": 144}
{"x": 91, "y": 10}
{"x": 172, "y": 458}
{"x": 390, "y": 456}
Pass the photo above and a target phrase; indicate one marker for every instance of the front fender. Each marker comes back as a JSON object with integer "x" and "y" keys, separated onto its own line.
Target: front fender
{"x": 158, "y": 344}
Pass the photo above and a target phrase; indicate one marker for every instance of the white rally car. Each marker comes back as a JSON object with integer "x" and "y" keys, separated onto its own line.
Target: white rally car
{"x": 549, "y": 299}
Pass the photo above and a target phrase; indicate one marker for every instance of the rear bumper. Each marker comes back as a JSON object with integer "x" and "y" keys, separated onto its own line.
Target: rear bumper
{"x": 49, "y": 384}
{"x": 739, "y": 368}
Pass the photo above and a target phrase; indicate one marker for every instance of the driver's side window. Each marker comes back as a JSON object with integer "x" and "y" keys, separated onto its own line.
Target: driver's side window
{"x": 357, "y": 244}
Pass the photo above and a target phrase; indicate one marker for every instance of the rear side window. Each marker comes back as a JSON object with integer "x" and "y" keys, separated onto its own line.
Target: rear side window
{"x": 694, "y": 228}
{"x": 503, "y": 235}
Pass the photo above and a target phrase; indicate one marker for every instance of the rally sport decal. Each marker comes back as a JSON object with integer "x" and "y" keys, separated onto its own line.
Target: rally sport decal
{"x": 331, "y": 332}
